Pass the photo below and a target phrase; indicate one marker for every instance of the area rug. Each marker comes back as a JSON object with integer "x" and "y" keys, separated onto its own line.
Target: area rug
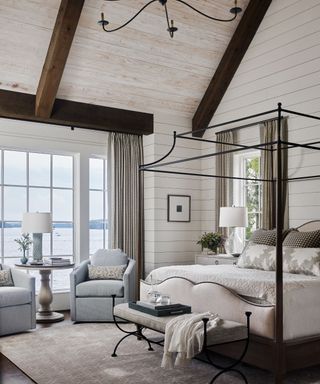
{"x": 81, "y": 353}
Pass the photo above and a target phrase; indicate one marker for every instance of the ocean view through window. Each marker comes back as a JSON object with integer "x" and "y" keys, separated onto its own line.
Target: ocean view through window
{"x": 42, "y": 182}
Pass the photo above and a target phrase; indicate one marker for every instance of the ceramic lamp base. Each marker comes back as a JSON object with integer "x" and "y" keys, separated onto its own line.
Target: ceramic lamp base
{"x": 37, "y": 246}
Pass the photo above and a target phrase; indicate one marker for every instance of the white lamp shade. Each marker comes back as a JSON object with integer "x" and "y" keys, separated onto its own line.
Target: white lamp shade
{"x": 37, "y": 222}
{"x": 233, "y": 217}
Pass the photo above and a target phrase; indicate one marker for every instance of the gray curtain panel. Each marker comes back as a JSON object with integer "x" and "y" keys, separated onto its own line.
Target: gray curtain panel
{"x": 268, "y": 133}
{"x": 224, "y": 167}
{"x": 125, "y": 154}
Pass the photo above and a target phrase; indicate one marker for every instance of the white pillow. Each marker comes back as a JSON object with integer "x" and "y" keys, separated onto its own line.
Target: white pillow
{"x": 301, "y": 260}
{"x": 258, "y": 256}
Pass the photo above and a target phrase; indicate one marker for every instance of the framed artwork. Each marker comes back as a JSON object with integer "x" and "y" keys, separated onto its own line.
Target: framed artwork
{"x": 179, "y": 208}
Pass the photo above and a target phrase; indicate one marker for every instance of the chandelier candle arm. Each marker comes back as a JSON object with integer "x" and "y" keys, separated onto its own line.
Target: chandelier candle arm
{"x": 235, "y": 10}
{"x": 171, "y": 28}
{"x": 170, "y": 23}
{"x": 104, "y": 22}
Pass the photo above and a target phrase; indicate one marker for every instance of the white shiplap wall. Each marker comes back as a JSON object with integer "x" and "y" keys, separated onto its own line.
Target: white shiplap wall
{"x": 169, "y": 242}
{"x": 282, "y": 64}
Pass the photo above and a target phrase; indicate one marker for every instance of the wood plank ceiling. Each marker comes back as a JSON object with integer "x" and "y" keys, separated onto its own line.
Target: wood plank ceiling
{"x": 138, "y": 68}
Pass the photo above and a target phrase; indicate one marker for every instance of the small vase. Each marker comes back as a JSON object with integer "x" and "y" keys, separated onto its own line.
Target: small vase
{"x": 24, "y": 259}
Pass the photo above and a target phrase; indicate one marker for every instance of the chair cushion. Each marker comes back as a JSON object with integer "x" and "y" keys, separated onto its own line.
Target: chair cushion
{"x": 11, "y": 296}
{"x": 109, "y": 257}
{"x": 100, "y": 288}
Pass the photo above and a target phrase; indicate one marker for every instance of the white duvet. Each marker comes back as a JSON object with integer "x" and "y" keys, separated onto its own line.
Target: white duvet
{"x": 246, "y": 282}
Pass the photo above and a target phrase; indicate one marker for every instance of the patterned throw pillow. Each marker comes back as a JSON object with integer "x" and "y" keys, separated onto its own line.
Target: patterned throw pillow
{"x": 104, "y": 272}
{"x": 302, "y": 239}
{"x": 258, "y": 256}
{"x": 301, "y": 260}
{"x": 5, "y": 278}
{"x": 264, "y": 236}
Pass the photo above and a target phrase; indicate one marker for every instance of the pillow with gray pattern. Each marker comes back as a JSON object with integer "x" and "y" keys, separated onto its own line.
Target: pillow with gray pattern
{"x": 295, "y": 260}
{"x": 258, "y": 256}
{"x": 301, "y": 260}
{"x": 298, "y": 239}
{"x": 104, "y": 272}
{"x": 264, "y": 236}
{"x": 5, "y": 278}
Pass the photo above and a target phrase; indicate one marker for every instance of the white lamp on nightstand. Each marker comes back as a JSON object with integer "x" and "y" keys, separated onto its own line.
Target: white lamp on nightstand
{"x": 37, "y": 223}
{"x": 233, "y": 217}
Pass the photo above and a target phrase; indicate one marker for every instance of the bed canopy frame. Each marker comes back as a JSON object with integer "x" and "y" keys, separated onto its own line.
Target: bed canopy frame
{"x": 276, "y": 147}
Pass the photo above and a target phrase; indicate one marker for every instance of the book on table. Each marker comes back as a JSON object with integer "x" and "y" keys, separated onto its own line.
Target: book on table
{"x": 148, "y": 304}
{"x": 59, "y": 261}
{"x": 161, "y": 310}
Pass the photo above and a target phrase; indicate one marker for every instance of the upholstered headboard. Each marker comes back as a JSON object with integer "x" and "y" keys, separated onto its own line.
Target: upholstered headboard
{"x": 309, "y": 226}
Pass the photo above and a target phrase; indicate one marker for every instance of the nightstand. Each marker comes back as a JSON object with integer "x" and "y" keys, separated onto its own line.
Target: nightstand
{"x": 222, "y": 258}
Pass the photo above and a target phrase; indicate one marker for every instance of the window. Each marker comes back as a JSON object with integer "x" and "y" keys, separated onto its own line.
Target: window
{"x": 37, "y": 182}
{"x": 98, "y": 225}
{"x": 248, "y": 193}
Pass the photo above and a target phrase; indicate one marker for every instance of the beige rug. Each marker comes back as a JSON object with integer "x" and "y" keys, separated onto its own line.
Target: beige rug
{"x": 80, "y": 353}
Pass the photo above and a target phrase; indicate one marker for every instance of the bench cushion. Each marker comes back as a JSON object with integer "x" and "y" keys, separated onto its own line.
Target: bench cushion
{"x": 12, "y": 296}
{"x": 100, "y": 288}
{"x": 226, "y": 331}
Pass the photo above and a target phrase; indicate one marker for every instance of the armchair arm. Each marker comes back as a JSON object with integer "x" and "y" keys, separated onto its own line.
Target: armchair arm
{"x": 80, "y": 273}
{"x": 129, "y": 281}
{"x": 23, "y": 280}
{"x": 77, "y": 276}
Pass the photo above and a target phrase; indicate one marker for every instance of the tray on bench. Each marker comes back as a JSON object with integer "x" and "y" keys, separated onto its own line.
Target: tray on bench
{"x": 168, "y": 310}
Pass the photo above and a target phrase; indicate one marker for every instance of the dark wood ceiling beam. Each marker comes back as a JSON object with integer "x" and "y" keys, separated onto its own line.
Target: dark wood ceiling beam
{"x": 58, "y": 51}
{"x": 229, "y": 64}
{"x": 20, "y": 106}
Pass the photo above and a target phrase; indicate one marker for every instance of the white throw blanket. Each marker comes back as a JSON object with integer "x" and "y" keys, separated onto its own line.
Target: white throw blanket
{"x": 184, "y": 338}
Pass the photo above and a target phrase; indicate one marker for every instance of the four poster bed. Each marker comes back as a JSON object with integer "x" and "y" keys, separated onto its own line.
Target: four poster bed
{"x": 285, "y": 307}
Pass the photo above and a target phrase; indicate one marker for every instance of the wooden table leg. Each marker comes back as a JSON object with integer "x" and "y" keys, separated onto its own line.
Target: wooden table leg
{"x": 45, "y": 314}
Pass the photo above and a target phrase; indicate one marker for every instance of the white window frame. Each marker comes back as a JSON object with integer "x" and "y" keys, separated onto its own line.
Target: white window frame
{"x": 105, "y": 192}
{"x": 239, "y": 185}
{"x": 27, "y": 187}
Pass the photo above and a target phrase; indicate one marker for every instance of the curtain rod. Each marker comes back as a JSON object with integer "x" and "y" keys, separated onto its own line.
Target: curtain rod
{"x": 250, "y": 124}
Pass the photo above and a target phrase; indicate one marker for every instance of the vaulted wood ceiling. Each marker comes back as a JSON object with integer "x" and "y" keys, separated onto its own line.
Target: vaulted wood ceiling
{"x": 138, "y": 68}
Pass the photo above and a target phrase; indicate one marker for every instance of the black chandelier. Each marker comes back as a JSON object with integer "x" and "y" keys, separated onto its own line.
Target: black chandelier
{"x": 171, "y": 28}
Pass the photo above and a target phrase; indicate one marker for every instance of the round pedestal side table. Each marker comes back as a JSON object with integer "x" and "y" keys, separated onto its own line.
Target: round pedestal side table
{"x": 45, "y": 313}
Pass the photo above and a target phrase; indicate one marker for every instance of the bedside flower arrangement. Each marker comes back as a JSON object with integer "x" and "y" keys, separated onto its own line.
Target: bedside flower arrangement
{"x": 24, "y": 245}
{"x": 212, "y": 241}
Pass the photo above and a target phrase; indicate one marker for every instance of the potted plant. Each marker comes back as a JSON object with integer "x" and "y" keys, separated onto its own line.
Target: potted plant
{"x": 24, "y": 245}
{"x": 212, "y": 241}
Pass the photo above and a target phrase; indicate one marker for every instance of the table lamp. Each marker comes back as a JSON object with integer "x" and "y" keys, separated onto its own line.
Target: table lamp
{"x": 37, "y": 223}
{"x": 233, "y": 217}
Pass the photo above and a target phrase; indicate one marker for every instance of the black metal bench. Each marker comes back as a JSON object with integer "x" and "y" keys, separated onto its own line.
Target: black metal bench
{"x": 227, "y": 332}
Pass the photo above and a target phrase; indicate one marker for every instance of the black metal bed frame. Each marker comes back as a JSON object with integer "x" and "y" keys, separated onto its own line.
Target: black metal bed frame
{"x": 276, "y": 147}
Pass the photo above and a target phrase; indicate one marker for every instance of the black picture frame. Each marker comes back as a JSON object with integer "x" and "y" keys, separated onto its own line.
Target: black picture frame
{"x": 179, "y": 208}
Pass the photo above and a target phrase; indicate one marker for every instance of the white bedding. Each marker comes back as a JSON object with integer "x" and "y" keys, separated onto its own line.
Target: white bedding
{"x": 301, "y": 301}
{"x": 246, "y": 282}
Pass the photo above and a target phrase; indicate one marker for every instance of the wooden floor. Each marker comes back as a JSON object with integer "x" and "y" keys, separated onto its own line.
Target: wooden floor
{"x": 11, "y": 374}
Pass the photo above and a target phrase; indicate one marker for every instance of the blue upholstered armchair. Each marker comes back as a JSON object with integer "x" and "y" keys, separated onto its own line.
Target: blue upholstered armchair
{"x": 90, "y": 299}
{"x": 17, "y": 303}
